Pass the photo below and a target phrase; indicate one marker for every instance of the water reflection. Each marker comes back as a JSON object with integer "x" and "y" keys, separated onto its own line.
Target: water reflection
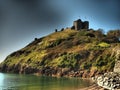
{"x": 31, "y": 82}
{"x": 1, "y": 80}
{"x": 7, "y": 81}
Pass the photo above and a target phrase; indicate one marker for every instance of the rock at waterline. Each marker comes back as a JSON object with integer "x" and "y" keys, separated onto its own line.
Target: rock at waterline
{"x": 109, "y": 81}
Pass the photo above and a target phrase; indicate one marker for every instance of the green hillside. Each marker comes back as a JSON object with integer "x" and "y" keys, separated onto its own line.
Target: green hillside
{"x": 78, "y": 53}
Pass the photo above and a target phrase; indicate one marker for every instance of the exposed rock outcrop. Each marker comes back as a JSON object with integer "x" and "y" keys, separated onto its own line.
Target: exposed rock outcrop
{"x": 117, "y": 63}
{"x": 117, "y": 67}
{"x": 109, "y": 80}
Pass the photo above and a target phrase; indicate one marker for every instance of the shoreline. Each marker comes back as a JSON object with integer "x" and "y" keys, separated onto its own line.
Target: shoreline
{"x": 101, "y": 82}
{"x": 93, "y": 87}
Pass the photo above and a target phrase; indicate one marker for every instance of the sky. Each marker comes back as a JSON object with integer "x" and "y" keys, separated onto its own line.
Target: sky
{"x": 23, "y": 20}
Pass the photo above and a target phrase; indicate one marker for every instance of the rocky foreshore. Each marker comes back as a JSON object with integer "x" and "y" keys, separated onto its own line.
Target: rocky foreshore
{"x": 109, "y": 80}
{"x": 93, "y": 87}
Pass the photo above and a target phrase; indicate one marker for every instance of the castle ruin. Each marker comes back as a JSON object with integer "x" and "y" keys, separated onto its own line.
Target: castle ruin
{"x": 79, "y": 24}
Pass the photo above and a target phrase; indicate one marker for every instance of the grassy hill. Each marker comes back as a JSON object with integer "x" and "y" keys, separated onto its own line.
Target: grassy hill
{"x": 82, "y": 53}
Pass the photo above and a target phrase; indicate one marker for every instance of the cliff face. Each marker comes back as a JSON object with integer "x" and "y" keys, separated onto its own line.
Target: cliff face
{"x": 83, "y": 53}
{"x": 117, "y": 63}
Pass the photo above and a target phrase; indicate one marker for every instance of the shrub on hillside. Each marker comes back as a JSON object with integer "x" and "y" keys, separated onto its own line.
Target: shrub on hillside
{"x": 69, "y": 60}
{"x": 104, "y": 45}
{"x": 113, "y": 33}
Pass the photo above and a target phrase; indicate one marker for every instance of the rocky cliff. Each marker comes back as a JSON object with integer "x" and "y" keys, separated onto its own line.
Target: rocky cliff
{"x": 83, "y": 53}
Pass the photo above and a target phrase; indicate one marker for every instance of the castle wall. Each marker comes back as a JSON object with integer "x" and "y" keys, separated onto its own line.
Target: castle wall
{"x": 78, "y": 24}
{"x": 85, "y": 25}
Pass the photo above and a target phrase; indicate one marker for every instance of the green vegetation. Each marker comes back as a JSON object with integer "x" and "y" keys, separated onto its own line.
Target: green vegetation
{"x": 104, "y": 63}
{"x": 69, "y": 60}
{"x": 104, "y": 45}
{"x": 76, "y": 50}
{"x": 114, "y": 33}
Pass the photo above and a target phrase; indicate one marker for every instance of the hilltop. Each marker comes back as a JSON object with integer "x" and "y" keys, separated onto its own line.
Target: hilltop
{"x": 70, "y": 52}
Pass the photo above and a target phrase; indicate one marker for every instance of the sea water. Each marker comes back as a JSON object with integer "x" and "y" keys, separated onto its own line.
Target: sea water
{"x": 33, "y": 82}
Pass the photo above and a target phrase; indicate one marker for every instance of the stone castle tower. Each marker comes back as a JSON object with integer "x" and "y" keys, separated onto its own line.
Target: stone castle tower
{"x": 79, "y": 24}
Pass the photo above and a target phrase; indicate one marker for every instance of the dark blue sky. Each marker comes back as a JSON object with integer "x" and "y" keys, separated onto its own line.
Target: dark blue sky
{"x": 23, "y": 20}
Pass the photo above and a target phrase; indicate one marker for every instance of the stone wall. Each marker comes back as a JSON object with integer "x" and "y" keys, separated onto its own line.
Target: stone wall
{"x": 79, "y": 24}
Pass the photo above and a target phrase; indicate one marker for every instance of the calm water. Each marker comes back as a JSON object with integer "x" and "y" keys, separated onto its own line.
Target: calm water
{"x": 32, "y": 82}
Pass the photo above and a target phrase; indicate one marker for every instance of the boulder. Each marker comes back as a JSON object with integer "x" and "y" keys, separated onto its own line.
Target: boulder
{"x": 109, "y": 80}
